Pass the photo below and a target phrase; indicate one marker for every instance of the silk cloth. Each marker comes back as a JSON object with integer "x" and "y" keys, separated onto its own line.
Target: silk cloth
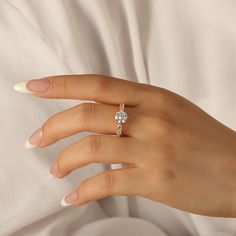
{"x": 186, "y": 46}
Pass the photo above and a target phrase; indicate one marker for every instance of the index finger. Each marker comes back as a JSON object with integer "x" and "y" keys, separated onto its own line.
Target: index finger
{"x": 100, "y": 88}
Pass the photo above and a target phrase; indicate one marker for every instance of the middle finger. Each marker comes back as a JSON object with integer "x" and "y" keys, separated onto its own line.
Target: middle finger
{"x": 98, "y": 149}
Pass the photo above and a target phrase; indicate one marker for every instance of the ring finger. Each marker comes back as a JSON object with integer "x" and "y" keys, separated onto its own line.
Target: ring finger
{"x": 92, "y": 117}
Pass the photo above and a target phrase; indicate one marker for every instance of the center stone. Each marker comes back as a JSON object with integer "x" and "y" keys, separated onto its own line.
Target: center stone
{"x": 121, "y": 116}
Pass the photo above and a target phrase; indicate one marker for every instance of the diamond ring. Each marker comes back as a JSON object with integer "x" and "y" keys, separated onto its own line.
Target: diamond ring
{"x": 120, "y": 117}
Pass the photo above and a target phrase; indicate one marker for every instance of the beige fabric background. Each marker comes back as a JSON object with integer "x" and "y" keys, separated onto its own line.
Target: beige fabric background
{"x": 187, "y": 46}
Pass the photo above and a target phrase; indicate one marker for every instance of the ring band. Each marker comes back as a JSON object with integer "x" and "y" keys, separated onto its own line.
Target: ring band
{"x": 120, "y": 117}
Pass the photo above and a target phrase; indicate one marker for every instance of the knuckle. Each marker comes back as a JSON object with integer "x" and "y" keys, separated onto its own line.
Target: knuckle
{"x": 81, "y": 191}
{"x": 93, "y": 144}
{"x": 165, "y": 178}
{"x": 64, "y": 85}
{"x": 166, "y": 182}
{"x": 62, "y": 163}
{"x": 161, "y": 127}
{"x": 49, "y": 130}
{"x": 101, "y": 84}
{"x": 164, "y": 127}
{"x": 166, "y": 175}
{"x": 50, "y": 126}
{"x": 86, "y": 111}
{"x": 108, "y": 180}
{"x": 164, "y": 98}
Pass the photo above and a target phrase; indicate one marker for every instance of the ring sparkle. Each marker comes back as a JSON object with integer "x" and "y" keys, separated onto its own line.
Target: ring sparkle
{"x": 120, "y": 117}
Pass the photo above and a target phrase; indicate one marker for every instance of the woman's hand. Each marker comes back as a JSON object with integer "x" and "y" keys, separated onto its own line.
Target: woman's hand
{"x": 173, "y": 152}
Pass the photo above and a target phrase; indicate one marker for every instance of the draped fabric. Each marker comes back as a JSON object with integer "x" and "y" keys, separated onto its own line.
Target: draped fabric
{"x": 186, "y": 46}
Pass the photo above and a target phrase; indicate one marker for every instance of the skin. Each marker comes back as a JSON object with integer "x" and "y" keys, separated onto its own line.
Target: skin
{"x": 173, "y": 151}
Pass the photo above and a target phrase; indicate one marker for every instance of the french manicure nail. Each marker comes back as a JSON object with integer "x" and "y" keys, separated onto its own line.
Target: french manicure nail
{"x": 34, "y": 139}
{"x": 69, "y": 199}
{"x": 51, "y": 175}
{"x": 31, "y": 86}
{"x": 21, "y": 87}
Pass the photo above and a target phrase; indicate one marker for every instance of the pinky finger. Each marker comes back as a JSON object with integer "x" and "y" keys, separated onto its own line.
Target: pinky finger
{"x": 124, "y": 181}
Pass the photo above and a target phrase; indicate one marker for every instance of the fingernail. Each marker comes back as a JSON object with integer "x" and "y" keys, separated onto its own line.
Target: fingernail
{"x": 34, "y": 139}
{"x": 69, "y": 199}
{"x": 51, "y": 175}
{"x": 53, "y": 170}
{"x": 31, "y": 86}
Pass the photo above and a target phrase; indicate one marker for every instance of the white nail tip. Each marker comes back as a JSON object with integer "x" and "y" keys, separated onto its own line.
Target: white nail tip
{"x": 51, "y": 175}
{"x": 21, "y": 87}
{"x": 28, "y": 145}
{"x": 64, "y": 203}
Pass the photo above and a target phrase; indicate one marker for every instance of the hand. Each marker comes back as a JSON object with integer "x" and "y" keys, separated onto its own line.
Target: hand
{"x": 173, "y": 152}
